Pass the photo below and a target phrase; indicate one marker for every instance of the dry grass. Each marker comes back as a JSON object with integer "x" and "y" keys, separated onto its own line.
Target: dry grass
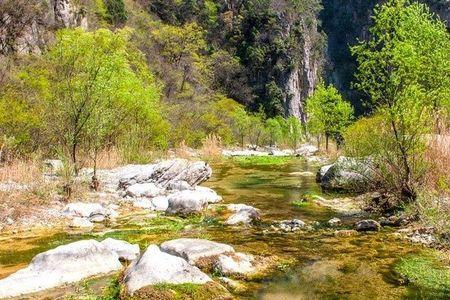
{"x": 211, "y": 147}
{"x": 183, "y": 151}
{"x": 21, "y": 171}
{"x": 109, "y": 159}
{"x": 437, "y": 156}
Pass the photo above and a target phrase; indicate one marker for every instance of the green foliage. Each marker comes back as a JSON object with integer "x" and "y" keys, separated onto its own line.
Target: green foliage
{"x": 116, "y": 11}
{"x": 274, "y": 130}
{"x": 405, "y": 70}
{"x": 94, "y": 90}
{"x": 328, "y": 113}
{"x": 426, "y": 272}
{"x": 267, "y": 160}
{"x": 366, "y": 136}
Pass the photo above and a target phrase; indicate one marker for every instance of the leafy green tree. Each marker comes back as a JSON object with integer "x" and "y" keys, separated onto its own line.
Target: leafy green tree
{"x": 242, "y": 125}
{"x": 274, "y": 131}
{"x": 405, "y": 70}
{"x": 328, "y": 113}
{"x": 94, "y": 86}
{"x": 116, "y": 11}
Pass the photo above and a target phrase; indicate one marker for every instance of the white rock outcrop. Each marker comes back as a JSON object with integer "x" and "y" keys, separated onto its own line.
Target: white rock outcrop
{"x": 191, "y": 201}
{"x": 194, "y": 249}
{"x": 64, "y": 264}
{"x": 157, "y": 267}
{"x": 124, "y": 250}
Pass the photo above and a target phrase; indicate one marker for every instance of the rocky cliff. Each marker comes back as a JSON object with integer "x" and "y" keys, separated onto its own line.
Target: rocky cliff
{"x": 27, "y": 26}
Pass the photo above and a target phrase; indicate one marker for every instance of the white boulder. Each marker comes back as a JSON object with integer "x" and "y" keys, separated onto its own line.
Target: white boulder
{"x": 147, "y": 189}
{"x": 156, "y": 267}
{"x": 124, "y": 250}
{"x": 160, "y": 203}
{"x": 64, "y": 264}
{"x": 194, "y": 249}
{"x": 191, "y": 201}
{"x": 243, "y": 214}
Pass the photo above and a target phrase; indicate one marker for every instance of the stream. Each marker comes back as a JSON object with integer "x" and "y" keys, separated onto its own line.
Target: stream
{"x": 322, "y": 265}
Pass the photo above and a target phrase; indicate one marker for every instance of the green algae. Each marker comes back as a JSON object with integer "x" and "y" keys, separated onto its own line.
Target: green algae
{"x": 426, "y": 273}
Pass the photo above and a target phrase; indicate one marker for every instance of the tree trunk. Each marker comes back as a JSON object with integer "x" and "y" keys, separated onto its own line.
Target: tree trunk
{"x": 326, "y": 141}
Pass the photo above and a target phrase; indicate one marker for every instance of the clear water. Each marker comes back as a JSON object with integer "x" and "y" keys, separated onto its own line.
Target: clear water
{"x": 324, "y": 266}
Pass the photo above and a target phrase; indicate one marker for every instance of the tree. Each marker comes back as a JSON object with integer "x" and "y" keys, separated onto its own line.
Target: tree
{"x": 405, "y": 70}
{"x": 274, "y": 130}
{"x": 94, "y": 85}
{"x": 116, "y": 11}
{"x": 328, "y": 113}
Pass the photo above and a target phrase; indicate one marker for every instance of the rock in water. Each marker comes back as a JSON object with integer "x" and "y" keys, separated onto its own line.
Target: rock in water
{"x": 191, "y": 201}
{"x": 124, "y": 250}
{"x": 64, "y": 264}
{"x": 367, "y": 225}
{"x": 235, "y": 263}
{"x": 156, "y": 267}
{"x": 194, "y": 249}
{"x": 243, "y": 214}
{"x": 347, "y": 174}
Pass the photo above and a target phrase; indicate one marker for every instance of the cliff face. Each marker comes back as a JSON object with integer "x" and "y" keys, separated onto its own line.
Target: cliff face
{"x": 304, "y": 76}
{"x": 345, "y": 22}
{"x": 27, "y": 26}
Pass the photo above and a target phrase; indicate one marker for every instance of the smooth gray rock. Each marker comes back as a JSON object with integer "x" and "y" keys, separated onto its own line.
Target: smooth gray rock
{"x": 148, "y": 189}
{"x": 367, "y": 225}
{"x": 81, "y": 209}
{"x": 157, "y": 267}
{"x": 191, "y": 201}
{"x": 194, "y": 249}
{"x": 347, "y": 174}
{"x": 243, "y": 214}
{"x": 64, "y": 264}
{"x": 124, "y": 250}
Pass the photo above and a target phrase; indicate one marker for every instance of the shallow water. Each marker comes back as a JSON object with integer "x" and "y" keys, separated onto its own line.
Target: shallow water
{"x": 322, "y": 266}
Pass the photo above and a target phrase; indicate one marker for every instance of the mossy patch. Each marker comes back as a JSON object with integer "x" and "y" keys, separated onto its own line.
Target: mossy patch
{"x": 186, "y": 291}
{"x": 255, "y": 161}
{"x": 300, "y": 203}
{"x": 426, "y": 273}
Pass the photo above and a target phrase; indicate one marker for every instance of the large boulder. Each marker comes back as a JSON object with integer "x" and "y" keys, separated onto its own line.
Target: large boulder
{"x": 347, "y": 174}
{"x": 195, "y": 249}
{"x": 156, "y": 267}
{"x": 191, "y": 201}
{"x": 64, "y": 264}
{"x": 124, "y": 250}
{"x": 169, "y": 172}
